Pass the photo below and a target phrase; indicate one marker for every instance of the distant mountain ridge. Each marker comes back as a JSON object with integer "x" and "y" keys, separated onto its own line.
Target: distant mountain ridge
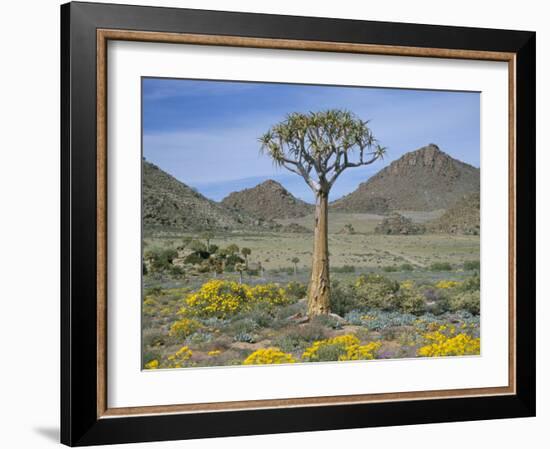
{"x": 421, "y": 180}
{"x": 267, "y": 201}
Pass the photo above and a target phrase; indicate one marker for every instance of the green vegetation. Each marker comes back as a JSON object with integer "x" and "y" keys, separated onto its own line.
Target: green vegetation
{"x": 224, "y": 322}
{"x": 390, "y": 289}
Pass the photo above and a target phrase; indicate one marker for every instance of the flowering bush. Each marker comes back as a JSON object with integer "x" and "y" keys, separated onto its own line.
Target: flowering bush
{"x": 447, "y": 284}
{"x": 268, "y": 356}
{"x": 214, "y": 353}
{"x": 184, "y": 327}
{"x": 446, "y": 342}
{"x": 221, "y": 299}
{"x": 270, "y": 294}
{"x": 218, "y": 298}
{"x": 342, "y": 347}
{"x": 153, "y": 364}
{"x": 178, "y": 359}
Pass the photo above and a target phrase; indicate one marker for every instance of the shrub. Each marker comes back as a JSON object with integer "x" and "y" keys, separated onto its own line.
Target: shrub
{"x": 176, "y": 270}
{"x": 440, "y": 266}
{"x": 378, "y": 320}
{"x": 445, "y": 342}
{"x": 296, "y": 290}
{"x": 343, "y": 269}
{"x": 184, "y": 327}
{"x": 354, "y": 317}
{"x": 390, "y": 269}
{"x": 299, "y": 337}
{"x": 221, "y": 299}
{"x": 193, "y": 259}
{"x": 375, "y": 291}
{"x": 259, "y": 315}
{"x": 245, "y": 325}
{"x": 394, "y": 268}
{"x": 218, "y": 298}
{"x": 268, "y": 356}
{"x": 149, "y": 356}
{"x": 468, "y": 300}
{"x": 362, "y": 352}
{"x": 471, "y": 265}
{"x": 343, "y": 347}
{"x": 327, "y": 321}
{"x": 180, "y": 357}
{"x": 153, "y": 291}
{"x": 471, "y": 284}
{"x": 233, "y": 259}
{"x": 160, "y": 259}
{"x": 447, "y": 284}
{"x": 270, "y": 294}
{"x": 244, "y": 337}
{"x": 407, "y": 301}
{"x": 200, "y": 337}
{"x": 153, "y": 364}
{"x": 343, "y": 298}
{"x": 153, "y": 338}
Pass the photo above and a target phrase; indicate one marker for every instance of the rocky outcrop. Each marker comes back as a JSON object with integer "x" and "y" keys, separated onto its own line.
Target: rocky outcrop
{"x": 397, "y": 224}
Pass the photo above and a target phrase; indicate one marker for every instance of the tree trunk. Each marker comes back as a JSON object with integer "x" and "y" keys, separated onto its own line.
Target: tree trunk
{"x": 319, "y": 285}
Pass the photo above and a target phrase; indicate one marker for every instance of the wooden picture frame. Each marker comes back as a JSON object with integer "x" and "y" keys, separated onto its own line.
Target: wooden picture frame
{"x": 86, "y": 29}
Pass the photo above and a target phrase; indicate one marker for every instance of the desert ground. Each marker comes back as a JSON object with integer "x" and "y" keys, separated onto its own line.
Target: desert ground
{"x": 393, "y": 296}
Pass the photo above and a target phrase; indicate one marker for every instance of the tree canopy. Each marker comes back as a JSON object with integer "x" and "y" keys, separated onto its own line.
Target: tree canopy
{"x": 319, "y": 146}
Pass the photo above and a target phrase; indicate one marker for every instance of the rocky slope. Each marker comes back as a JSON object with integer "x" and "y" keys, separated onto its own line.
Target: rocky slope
{"x": 422, "y": 180}
{"x": 461, "y": 218}
{"x": 267, "y": 201}
{"x": 398, "y": 224}
{"x": 169, "y": 203}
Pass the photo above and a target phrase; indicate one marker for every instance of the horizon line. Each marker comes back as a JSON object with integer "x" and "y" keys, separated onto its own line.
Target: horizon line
{"x": 271, "y": 178}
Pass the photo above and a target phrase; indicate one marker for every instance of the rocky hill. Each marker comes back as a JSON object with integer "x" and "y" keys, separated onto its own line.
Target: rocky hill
{"x": 267, "y": 201}
{"x": 461, "y": 218}
{"x": 422, "y": 180}
{"x": 169, "y": 203}
{"x": 398, "y": 224}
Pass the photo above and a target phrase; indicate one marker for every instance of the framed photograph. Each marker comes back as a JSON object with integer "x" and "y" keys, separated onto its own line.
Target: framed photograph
{"x": 280, "y": 224}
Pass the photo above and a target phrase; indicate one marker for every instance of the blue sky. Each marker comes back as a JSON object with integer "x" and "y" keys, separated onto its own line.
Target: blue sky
{"x": 205, "y": 133}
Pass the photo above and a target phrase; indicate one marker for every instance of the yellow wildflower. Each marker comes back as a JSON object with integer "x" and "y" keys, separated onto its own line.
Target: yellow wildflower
{"x": 268, "y": 356}
{"x": 153, "y": 364}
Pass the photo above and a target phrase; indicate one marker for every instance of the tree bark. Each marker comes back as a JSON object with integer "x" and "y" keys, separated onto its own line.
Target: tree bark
{"x": 319, "y": 285}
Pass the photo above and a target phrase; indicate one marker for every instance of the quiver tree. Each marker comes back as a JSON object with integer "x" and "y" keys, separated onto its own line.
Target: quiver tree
{"x": 246, "y": 252}
{"x": 319, "y": 146}
{"x": 295, "y": 262}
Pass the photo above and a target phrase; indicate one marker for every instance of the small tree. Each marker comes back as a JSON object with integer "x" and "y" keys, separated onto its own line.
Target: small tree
{"x": 240, "y": 267}
{"x": 207, "y": 236}
{"x": 197, "y": 246}
{"x": 231, "y": 249}
{"x": 246, "y": 252}
{"x": 295, "y": 261}
{"x": 319, "y": 146}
